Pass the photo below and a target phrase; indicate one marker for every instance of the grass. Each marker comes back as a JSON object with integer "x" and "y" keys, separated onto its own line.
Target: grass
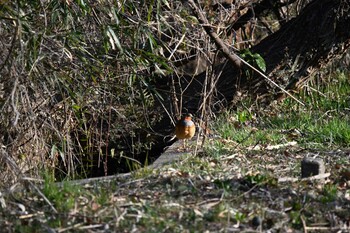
{"x": 323, "y": 121}
{"x": 61, "y": 197}
{"x": 232, "y": 185}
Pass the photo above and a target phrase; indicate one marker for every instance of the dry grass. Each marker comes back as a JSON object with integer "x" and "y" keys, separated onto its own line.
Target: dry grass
{"x": 238, "y": 191}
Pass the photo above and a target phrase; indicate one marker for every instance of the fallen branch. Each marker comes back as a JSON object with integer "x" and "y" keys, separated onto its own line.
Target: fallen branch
{"x": 311, "y": 178}
{"x": 272, "y": 147}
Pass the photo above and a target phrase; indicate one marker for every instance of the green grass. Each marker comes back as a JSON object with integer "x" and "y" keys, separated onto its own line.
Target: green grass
{"x": 323, "y": 121}
{"x": 62, "y": 198}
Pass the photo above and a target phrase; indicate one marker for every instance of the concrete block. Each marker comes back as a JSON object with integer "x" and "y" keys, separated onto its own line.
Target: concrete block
{"x": 312, "y": 167}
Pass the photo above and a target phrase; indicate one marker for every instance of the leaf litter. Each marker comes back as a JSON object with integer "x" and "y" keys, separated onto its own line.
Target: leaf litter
{"x": 240, "y": 191}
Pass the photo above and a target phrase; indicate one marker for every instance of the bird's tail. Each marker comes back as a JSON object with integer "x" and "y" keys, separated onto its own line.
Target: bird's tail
{"x": 169, "y": 140}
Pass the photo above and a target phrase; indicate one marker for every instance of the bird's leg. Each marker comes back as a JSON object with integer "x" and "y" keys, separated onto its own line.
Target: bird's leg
{"x": 186, "y": 148}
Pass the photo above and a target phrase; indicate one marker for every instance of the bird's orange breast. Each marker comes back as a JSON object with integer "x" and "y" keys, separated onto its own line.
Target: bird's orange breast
{"x": 185, "y": 129}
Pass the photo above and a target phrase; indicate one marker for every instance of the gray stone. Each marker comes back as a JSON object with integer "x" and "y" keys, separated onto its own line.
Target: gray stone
{"x": 312, "y": 167}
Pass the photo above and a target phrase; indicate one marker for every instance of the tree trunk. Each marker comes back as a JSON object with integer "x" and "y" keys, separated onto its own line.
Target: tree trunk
{"x": 315, "y": 38}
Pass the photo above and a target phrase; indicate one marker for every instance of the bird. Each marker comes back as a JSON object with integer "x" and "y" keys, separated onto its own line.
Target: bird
{"x": 185, "y": 128}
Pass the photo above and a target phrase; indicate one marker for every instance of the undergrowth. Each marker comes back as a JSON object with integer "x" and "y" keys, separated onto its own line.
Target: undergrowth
{"x": 83, "y": 79}
{"x": 237, "y": 183}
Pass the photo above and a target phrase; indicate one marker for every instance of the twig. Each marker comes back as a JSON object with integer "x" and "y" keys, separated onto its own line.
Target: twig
{"x": 272, "y": 147}
{"x": 178, "y": 44}
{"x": 328, "y": 229}
{"x": 304, "y": 223}
{"x": 208, "y": 28}
{"x": 69, "y": 228}
{"x": 43, "y": 196}
{"x": 245, "y": 193}
{"x": 213, "y": 200}
{"x": 271, "y": 81}
{"x": 13, "y": 102}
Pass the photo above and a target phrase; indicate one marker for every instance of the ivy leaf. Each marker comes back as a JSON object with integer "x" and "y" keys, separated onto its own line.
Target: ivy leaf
{"x": 259, "y": 60}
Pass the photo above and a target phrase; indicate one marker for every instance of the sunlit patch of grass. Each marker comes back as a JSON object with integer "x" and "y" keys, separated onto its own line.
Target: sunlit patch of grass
{"x": 287, "y": 120}
{"x": 230, "y": 130}
{"x": 331, "y": 132}
{"x": 240, "y": 130}
{"x": 329, "y": 193}
{"x": 332, "y": 94}
{"x": 334, "y": 130}
{"x": 324, "y": 120}
{"x": 268, "y": 136}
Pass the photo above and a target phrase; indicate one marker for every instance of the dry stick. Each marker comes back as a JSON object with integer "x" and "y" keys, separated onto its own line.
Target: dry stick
{"x": 304, "y": 223}
{"x": 13, "y": 102}
{"x": 178, "y": 44}
{"x": 177, "y": 111}
{"x": 234, "y": 58}
{"x": 165, "y": 109}
{"x": 43, "y": 196}
{"x": 175, "y": 100}
{"x": 205, "y": 96}
{"x": 179, "y": 104}
{"x": 270, "y": 80}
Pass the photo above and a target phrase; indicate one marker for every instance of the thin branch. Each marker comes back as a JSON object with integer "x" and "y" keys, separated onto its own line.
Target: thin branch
{"x": 271, "y": 81}
{"x": 209, "y": 29}
{"x": 42, "y": 195}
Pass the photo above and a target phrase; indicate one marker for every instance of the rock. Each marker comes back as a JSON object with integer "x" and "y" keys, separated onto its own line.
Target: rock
{"x": 312, "y": 167}
{"x": 256, "y": 221}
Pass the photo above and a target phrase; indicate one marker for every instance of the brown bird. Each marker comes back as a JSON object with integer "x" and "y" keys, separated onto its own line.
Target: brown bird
{"x": 185, "y": 128}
